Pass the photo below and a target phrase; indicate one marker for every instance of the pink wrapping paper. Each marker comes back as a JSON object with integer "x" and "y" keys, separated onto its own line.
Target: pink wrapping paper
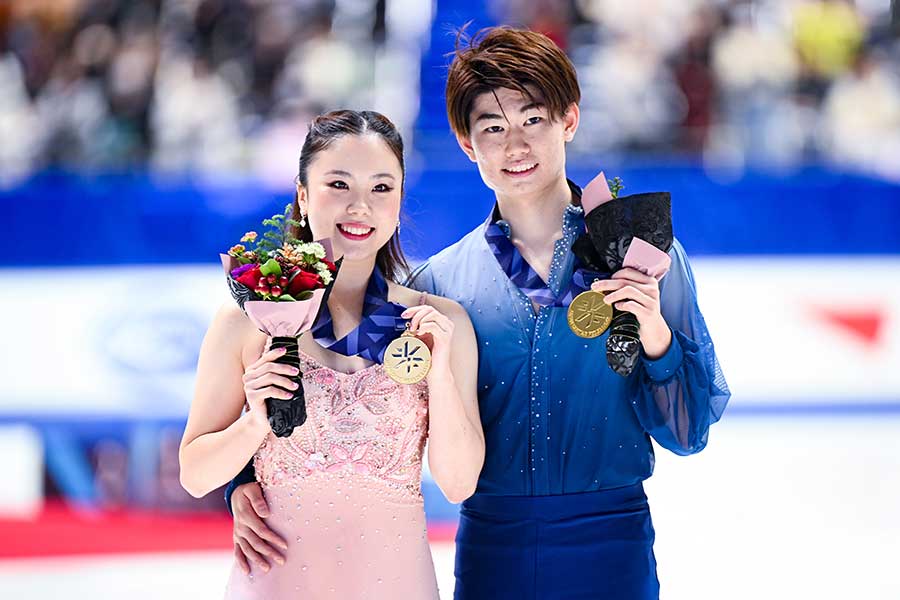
{"x": 595, "y": 193}
{"x": 284, "y": 319}
{"x": 647, "y": 258}
{"x": 229, "y": 263}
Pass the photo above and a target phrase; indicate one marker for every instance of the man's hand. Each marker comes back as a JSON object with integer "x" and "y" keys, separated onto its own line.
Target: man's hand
{"x": 631, "y": 291}
{"x": 253, "y": 540}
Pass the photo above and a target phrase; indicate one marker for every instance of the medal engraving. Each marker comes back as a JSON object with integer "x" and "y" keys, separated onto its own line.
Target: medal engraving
{"x": 589, "y": 315}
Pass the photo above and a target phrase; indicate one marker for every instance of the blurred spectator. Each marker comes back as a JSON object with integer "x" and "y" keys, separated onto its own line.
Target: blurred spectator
{"x": 861, "y": 118}
{"x": 630, "y": 100}
{"x": 828, "y": 35}
{"x": 18, "y": 122}
{"x": 110, "y": 458}
{"x": 194, "y": 118}
{"x": 696, "y": 80}
{"x": 756, "y": 68}
{"x": 553, "y": 18}
{"x": 184, "y": 85}
{"x": 228, "y": 86}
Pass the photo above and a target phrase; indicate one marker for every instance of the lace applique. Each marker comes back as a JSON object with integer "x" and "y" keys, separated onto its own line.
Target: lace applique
{"x": 612, "y": 225}
{"x": 360, "y": 424}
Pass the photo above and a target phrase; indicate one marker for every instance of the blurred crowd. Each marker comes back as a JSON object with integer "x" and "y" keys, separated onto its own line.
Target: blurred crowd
{"x": 228, "y": 86}
{"x": 208, "y": 86}
{"x": 738, "y": 82}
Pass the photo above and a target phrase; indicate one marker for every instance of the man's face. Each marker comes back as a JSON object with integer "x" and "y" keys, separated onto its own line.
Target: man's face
{"x": 518, "y": 149}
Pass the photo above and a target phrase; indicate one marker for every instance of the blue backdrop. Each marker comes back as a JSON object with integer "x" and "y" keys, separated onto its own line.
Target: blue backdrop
{"x": 63, "y": 219}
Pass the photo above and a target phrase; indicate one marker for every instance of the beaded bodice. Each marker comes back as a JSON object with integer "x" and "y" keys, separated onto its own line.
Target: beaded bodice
{"x": 360, "y": 425}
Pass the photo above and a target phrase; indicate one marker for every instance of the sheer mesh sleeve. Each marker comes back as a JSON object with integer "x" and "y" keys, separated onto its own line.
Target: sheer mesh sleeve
{"x": 679, "y": 395}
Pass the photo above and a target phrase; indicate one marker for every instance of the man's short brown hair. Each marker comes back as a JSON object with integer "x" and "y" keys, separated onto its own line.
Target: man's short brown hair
{"x": 503, "y": 57}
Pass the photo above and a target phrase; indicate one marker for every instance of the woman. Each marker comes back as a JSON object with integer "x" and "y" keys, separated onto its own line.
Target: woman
{"x": 343, "y": 489}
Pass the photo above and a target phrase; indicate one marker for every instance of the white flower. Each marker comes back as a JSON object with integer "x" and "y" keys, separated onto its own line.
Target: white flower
{"x": 312, "y": 248}
{"x": 325, "y": 274}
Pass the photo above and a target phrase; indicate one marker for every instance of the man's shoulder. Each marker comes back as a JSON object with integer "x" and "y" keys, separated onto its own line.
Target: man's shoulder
{"x": 464, "y": 246}
{"x": 446, "y": 260}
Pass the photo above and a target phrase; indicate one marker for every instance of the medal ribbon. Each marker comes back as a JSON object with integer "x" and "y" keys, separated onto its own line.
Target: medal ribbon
{"x": 380, "y": 325}
{"x": 523, "y": 276}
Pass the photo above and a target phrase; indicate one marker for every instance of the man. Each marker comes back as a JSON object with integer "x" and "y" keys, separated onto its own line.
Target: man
{"x": 559, "y": 511}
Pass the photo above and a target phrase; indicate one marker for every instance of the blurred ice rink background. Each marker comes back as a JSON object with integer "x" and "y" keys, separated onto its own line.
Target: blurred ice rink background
{"x": 139, "y": 138}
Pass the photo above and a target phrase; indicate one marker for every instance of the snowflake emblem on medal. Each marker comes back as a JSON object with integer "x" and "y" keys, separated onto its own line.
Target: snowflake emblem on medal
{"x": 589, "y": 315}
{"x": 407, "y": 359}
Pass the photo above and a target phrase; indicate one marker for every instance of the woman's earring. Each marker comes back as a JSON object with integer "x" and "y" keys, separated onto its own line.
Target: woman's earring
{"x": 302, "y": 220}
{"x": 398, "y": 226}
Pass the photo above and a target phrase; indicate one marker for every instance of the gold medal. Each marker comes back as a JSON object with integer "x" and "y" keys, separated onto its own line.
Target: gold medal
{"x": 407, "y": 359}
{"x": 589, "y": 316}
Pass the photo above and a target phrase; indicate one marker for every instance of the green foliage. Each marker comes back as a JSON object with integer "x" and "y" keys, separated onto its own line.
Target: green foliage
{"x": 615, "y": 186}
{"x": 270, "y": 267}
{"x": 279, "y": 233}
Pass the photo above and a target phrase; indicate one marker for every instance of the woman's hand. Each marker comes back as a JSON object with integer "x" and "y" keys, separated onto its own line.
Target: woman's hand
{"x": 266, "y": 378}
{"x": 629, "y": 290}
{"x": 435, "y": 329}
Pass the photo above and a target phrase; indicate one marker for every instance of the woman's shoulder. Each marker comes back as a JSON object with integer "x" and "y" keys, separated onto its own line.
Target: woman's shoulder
{"x": 231, "y": 317}
{"x": 232, "y": 325}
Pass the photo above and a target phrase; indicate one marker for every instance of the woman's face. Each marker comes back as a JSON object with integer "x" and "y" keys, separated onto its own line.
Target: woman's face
{"x": 353, "y": 195}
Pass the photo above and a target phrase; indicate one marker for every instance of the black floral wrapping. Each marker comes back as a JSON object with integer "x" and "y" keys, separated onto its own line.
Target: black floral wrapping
{"x": 240, "y": 292}
{"x": 610, "y": 228}
{"x": 286, "y": 414}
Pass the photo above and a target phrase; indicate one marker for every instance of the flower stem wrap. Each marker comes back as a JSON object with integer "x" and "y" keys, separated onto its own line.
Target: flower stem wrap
{"x": 285, "y": 415}
{"x": 610, "y": 229}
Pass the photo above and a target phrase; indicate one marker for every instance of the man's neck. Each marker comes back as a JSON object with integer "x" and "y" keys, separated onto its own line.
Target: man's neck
{"x": 535, "y": 220}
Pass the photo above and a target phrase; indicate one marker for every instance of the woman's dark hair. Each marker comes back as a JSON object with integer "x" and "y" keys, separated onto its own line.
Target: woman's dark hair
{"x": 324, "y": 130}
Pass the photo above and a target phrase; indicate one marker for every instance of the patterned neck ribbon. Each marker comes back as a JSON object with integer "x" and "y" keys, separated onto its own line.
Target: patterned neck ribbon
{"x": 380, "y": 324}
{"x": 523, "y": 276}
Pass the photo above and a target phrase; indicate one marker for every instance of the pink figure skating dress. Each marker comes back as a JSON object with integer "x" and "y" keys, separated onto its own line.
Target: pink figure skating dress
{"x": 344, "y": 492}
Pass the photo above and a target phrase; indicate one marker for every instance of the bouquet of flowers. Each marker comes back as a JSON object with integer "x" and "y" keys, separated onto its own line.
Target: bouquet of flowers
{"x": 281, "y": 283}
{"x": 624, "y": 231}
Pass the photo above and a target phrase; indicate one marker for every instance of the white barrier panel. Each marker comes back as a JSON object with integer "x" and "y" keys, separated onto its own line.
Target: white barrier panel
{"x": 22, "y": 492}
{"x": 805, "y": 330}
{"x": 108, "y": 341}
{"x": 124, "y": 340}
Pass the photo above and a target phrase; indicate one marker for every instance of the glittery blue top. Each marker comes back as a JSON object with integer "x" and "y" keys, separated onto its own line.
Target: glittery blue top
{"x": 557, "y": 419}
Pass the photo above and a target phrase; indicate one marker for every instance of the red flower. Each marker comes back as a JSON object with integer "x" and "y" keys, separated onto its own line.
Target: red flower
{"x": 330, "y": 265}
{"x": 302, "y": 281}
{"x": 250, "y": 277}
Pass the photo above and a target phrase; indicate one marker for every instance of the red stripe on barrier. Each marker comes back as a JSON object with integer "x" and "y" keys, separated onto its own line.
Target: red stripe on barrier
{"x": 59, "y": 530}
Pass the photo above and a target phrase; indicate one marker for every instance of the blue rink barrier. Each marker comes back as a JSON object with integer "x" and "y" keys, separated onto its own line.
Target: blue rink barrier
{"x": 145, "y": 219}
{"x": 75, "y": 447}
